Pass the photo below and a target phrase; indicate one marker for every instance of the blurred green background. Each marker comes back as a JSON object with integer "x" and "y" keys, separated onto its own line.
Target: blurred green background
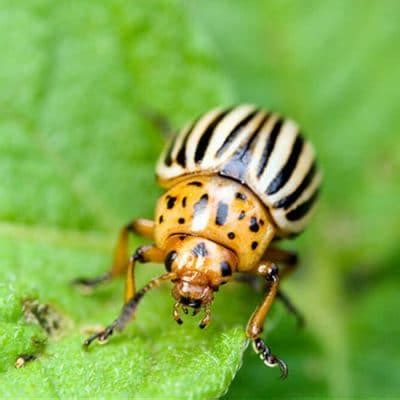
{"x": 77, "y": 162}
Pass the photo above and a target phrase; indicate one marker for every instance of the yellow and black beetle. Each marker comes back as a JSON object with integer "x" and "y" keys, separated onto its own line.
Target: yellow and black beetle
{"x": 236, "y": 179}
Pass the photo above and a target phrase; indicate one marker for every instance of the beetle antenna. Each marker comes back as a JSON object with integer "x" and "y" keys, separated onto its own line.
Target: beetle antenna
{"x": 128, "y": 310}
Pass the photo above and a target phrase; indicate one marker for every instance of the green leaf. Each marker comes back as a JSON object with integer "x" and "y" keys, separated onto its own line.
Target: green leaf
{"x": 333, "y": 66}
{"x": 77, "y": 162}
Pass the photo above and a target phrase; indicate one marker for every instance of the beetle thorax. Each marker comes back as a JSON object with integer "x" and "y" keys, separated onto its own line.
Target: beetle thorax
{"x": 220, "y": 210}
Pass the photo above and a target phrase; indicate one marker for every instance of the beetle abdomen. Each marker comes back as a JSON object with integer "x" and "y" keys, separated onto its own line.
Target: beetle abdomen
{"x": 260, "y": 149}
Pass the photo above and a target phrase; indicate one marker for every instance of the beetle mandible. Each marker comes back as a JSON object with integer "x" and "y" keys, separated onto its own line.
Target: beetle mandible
{"x": 236, "y": 180}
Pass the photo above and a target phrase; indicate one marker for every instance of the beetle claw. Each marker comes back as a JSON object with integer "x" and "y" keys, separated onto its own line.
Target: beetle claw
{"x": 86, "y": 285}
{"x": 101, "y": 337}
{"x": 269, "y": 359}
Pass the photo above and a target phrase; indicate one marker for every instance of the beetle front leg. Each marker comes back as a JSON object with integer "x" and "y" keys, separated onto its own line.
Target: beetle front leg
{"x": 141, "y": 227}
{"x": 143, "y": 254}
{"x": 256, "y": 322}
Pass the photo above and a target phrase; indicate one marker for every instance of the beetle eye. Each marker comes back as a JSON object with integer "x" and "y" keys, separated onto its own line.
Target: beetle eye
{"x": 171, "y": 256}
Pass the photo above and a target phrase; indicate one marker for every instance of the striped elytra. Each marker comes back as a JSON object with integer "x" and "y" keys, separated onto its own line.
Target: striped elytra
{"x": 260, "y": 149}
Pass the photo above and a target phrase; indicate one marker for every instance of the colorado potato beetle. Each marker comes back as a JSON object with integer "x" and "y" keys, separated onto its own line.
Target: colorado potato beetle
{"x": 236, "y": 180}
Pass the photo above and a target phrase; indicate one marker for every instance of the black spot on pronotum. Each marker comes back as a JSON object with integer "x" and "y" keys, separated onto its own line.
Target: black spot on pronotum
{"x": 201, "y": 204}
{"x": 241, "y": 215}
{"x": 161, "y": 219}
{"x": 226, "y": 269}
{"x": 254, "y": 245}
{"x": 254, "y": 227}
{"x": 195, "y": 183}
{"x": 170, "y": 202}
{"x": 182, "y": 237}
{"x": 184, "y": 202}
{"x": 231, "y": 235}
{"x": 171, "y": 256}
{"x": 261, "y": 222}
{"x": 240, "y": 196}
{"x": 222, "y": 213}
{"x": 200, "y": 250}
{"x": 181, "y": 221}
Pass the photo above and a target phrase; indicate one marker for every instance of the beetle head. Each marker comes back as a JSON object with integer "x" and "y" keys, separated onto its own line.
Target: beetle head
{"x": 193, "y": 290}
{"x": 201, "y": 266}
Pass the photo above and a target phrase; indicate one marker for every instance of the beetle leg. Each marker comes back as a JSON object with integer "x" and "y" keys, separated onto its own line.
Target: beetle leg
{"x": 256, "y": 322}
{"x": 142, "y": 227}
{"x": 256, "y": 284}
{"x": 143, "y": 254}
{"x": 291, "y": 308}
{"x": 286, "y": 257}
{"x": 128, "y": 310}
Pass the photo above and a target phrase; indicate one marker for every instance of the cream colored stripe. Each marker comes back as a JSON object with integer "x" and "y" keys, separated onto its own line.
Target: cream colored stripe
{"x": 281, "y": 152}
{"x": 223, "y": 129}
{"x": 197, "y": 132}
{"x": 279, "y": 215}
{"x": 258, "y": 151}
{"x": 302, "y": 167}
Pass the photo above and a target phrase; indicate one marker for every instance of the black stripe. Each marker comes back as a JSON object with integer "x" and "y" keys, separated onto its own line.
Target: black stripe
{"x": 168, "y": 157}
{"x": 285, "y": 173}
{"x": 236, "y": 167}
{"x": 181, "y": 157}
{"x": 245, "y": 156}
{"x": 236, "y": 130}
{"x": 206, "y": 136}
{"x": 222, "y": 213}
{"x": 289, "y": 200}
{"x": 269, "y": 146}
{"x": 301, "y": 210}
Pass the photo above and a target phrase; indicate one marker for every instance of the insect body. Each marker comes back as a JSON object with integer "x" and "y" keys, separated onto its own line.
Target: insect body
{"x": 235, "y": 179}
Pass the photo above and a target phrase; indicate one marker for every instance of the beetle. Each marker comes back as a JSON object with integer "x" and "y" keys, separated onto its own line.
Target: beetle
{"x": 237, "y": 180}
